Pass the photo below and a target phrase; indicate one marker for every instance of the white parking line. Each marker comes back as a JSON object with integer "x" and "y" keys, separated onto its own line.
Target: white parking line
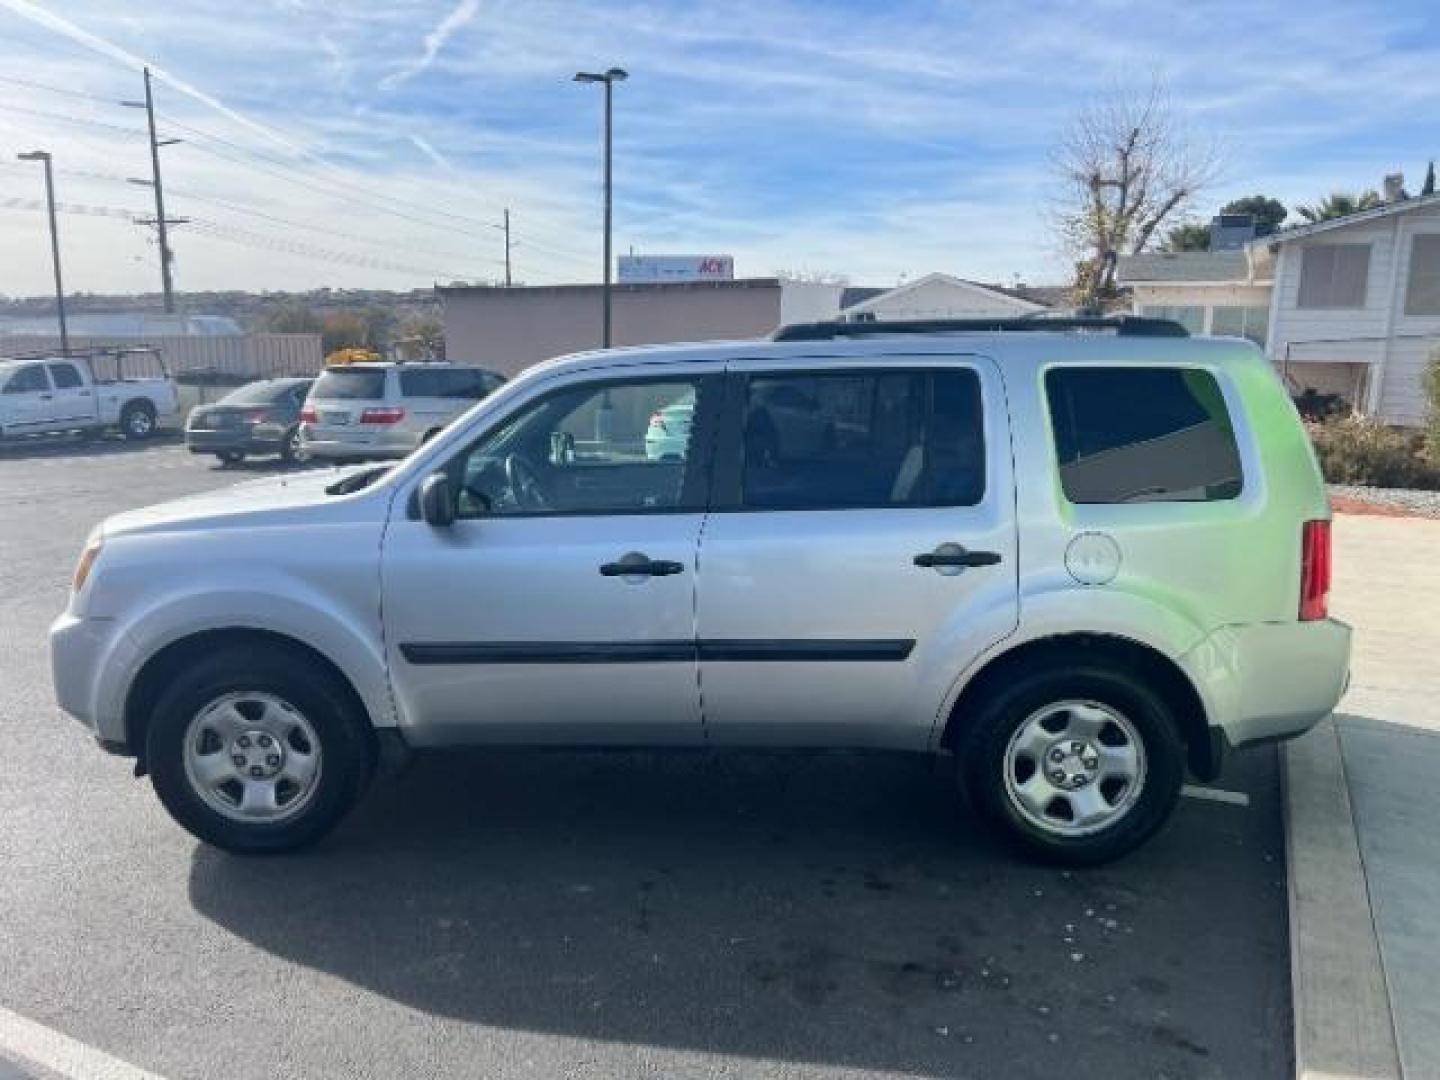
{"x": 1210, "y": 794}
{"x": 29, "y": 1043}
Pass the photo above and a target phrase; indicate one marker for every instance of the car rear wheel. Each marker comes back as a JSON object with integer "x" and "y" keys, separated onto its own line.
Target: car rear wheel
{"x": 1073, "y": 765}
{"x": 231, "y": 457}
{"x": 255, "y": 749}
{"x": 137, "y": 420}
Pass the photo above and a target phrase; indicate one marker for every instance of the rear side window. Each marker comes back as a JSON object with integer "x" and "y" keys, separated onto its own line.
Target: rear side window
{"x": 27, "y": 379}
{"x": 349, "y": 384}
{"x": 1125, "y": 435}
{"x": 847, "y": 440}
{"x": 65, "y": 376}
{"x": 465, "y": 383}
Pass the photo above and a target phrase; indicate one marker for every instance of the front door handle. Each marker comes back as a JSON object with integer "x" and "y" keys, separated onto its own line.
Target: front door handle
{"x": 638, "y": 564}
{"x": 954, "y": 555}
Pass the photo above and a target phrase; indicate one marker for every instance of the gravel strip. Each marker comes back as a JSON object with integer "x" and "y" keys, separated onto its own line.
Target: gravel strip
{"x": 1413, "y": 499}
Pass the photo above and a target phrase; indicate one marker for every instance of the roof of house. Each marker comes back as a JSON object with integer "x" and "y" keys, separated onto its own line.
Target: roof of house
{"x": 958, "y": 284}
{"x": 1297, "y": 232}
{"x": 1180, "y": 266}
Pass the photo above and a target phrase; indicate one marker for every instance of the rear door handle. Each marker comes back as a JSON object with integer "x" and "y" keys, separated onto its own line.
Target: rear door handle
{"x": 955, "y": 555}
{"x": 638, "y": 564}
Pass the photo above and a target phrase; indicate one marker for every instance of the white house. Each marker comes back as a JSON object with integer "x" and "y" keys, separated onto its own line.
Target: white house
{"x": 1351, "y": 305}
{"x": 940, "y": 296}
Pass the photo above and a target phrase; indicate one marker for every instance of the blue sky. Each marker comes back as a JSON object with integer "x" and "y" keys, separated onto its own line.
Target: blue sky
{"x": 378, "y": 144}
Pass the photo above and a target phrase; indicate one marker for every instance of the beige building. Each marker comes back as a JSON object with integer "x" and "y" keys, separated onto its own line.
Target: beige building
{"x": 507, "y": 330}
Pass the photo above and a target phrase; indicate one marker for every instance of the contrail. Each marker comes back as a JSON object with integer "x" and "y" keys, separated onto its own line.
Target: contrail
{"x": 48, "y": 19}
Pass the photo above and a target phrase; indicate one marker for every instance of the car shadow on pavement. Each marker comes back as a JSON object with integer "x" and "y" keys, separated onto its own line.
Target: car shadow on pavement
{"x": 834, "y": 909}
{"x": 26, "y": 447}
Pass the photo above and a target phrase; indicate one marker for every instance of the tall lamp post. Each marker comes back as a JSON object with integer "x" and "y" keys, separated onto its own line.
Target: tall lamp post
{"x": 44, "y": 156}
{"x": 609, "y": 79}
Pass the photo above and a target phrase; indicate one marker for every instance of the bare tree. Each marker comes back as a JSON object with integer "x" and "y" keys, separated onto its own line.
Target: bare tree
{"x": 1128, "y": 165}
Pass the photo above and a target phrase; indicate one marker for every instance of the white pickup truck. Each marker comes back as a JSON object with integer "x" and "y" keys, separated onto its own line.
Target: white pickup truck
{"x": 50, "y": 394}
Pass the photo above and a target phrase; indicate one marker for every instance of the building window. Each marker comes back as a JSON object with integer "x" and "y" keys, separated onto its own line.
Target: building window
{"x": 1192, "y": 318}
{"x": 1422, "y": 295}
{"x": 1246, "y": 322}
{"x": 1334, "y": 275}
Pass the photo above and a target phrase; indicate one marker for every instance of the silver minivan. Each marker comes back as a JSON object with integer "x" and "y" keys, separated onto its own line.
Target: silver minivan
{"x": 1078, "y": 560}
{"x": 385, "y": 410}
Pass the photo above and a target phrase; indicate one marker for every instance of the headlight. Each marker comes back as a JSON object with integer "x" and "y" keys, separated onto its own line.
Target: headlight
{"x": 87, "y": 560}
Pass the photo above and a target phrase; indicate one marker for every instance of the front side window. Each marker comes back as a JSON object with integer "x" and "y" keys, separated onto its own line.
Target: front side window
{"x": 847, "y": 440}
{"x": 618, "y": 448}
{"x": 1422, "y": 294}
{"x": 27, "y": 380}
{"x": 1126, "y": 435}
{"x": 1334, "y": 275}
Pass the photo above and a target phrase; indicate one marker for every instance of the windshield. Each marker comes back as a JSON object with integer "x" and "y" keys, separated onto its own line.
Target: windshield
{"x": 349, "y": 384}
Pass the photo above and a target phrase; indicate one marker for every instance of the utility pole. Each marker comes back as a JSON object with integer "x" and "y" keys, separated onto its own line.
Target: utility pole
{"x": 507, "y": 247}
{"x": 44, "y": 156}
{"x": 161, "y": 222}
{"x": 609, "y": 78}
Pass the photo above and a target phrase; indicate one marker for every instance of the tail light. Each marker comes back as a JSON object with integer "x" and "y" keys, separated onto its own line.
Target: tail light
{"x": 1314, "y": 569}
{"x": 387, "y": 415}
{"x": 307, "y": 416}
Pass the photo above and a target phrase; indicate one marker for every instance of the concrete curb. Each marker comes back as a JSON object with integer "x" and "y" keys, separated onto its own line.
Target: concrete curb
{"x": 1343, "y": 1023}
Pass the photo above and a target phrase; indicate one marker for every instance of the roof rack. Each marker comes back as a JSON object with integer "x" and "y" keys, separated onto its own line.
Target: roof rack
{"x": 1122, "y": 325}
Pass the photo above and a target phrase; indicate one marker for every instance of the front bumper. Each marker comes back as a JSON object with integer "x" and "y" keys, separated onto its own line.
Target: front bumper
{"x": 84, "y": 655}
{"x": 1270, "y": 681}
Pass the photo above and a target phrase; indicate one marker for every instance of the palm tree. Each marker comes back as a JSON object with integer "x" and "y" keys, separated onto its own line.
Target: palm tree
{"x": 1339, "y": 204}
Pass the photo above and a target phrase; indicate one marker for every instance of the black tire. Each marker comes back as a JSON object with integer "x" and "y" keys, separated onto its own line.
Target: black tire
{"x": 982, "y": 759}
{"x": 231, "y": 457}
{"x": 347, "y": 745}
{"x": 137, "y": 420}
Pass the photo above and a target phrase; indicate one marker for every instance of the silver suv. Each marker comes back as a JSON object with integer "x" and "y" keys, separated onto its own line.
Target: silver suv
{"x": 385, "y": 410}
{"x": 1079, "y": 561}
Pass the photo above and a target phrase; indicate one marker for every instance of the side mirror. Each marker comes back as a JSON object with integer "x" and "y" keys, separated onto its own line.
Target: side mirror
{"x": 437, "y": 504}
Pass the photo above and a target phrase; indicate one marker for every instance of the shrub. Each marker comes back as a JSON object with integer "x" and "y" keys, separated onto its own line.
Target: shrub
{"x": 1432, "y": 404}
{"x": 1359, "y": 450}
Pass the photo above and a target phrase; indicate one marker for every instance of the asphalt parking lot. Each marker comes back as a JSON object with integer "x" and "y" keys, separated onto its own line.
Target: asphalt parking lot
{"x": 599, "y": 915}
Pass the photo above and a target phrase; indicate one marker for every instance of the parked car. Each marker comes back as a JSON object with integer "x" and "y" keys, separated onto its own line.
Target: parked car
{"x": 259, "y": 418}
{"x": 1078, "y": 565}
{"x": 89, "y": 393}
{"x": 386, "y": 410}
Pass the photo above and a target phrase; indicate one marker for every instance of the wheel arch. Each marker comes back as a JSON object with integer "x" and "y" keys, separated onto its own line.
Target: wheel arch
{"x": 1134, "y": 657}
{"x": 150, "y": 680}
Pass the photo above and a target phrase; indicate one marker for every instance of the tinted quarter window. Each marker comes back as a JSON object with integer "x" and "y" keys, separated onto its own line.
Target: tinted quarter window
{"x": 466, "y": 383}
{"x": 65, "y": 376}
{"x": 863, "y": 439}
{"x": 349, "y": 384}
{"x": 1127, "y": 435}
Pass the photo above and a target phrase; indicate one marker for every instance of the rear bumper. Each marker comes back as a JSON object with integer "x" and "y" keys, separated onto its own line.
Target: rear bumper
{"x": 244, "y": 440}
{"x": 356, "y": 444}
{"x": 1269, "y": 681}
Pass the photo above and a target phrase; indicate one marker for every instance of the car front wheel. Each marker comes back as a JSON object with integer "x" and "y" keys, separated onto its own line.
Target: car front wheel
{"x": 255, "y": 749}
{"x": 1076, "y": 765}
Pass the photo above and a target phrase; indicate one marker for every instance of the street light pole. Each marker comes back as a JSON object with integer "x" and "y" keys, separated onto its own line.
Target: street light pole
{"x": 44, "y": 156}
{"x": 609, "y": 78}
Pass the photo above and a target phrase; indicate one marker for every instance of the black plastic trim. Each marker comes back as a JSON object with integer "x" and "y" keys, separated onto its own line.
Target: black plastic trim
{"x": 1123, "y": 325}
{"x": 649, "y": 652}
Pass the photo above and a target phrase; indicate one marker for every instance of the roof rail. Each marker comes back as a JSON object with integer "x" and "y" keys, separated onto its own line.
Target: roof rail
{"x": 1122, "y": 325}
